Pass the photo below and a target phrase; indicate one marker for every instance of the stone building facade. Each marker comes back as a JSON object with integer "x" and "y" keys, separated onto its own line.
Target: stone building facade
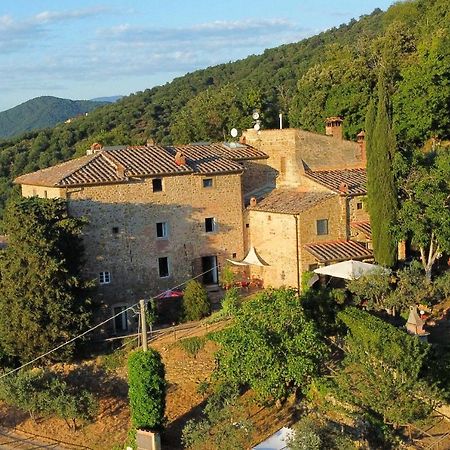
{"x": 154, "y": 221}
{"x": 313, "y": 213}
{"x": 159, "y": 216}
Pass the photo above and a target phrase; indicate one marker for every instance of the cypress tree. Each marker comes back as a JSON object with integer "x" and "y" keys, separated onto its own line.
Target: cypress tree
{"x": 381, "y": 190}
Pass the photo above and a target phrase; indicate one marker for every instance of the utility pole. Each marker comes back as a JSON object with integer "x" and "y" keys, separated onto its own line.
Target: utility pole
{"x": 144, "y": 325}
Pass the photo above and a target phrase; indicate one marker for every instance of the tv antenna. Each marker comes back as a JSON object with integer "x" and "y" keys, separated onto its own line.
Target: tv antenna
{"x": 257, "y": 124}
{"x": 234, "y": 132}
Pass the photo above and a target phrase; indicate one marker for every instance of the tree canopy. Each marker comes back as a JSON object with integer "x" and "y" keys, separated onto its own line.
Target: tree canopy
{"x": 382, "y": 369}
{"x": 271, "y": 346}
{"x": 43, "y": 299}
{"x": 381, "y": 188}
{"x": 424, "y": 216}
{"x": 332, "y": 73}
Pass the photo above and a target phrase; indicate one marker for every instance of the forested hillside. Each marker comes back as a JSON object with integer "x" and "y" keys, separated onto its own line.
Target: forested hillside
{"x": 332, "y": 73}
{"x": 42, "y": 112}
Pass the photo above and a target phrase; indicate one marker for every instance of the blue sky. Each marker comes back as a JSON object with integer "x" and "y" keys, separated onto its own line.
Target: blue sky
{"x": 84, "y": 49}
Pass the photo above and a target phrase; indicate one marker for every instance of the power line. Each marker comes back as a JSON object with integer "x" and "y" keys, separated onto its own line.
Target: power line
{"x": 95, "y": 327}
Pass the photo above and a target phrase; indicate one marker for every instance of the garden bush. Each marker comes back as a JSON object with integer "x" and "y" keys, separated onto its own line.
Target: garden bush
{"x": 195, "y": 301}
{"x": 147, "y": 389}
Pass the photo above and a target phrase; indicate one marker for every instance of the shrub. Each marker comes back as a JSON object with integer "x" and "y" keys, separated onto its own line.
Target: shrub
{"x": 231, "y": 303}
{"x": 192, "y": 345}
{"x": 227, "y": 277}
{"x": 195, "y": 301}
{"x": 39, "y": 392}
{"x": 147, "y": 389}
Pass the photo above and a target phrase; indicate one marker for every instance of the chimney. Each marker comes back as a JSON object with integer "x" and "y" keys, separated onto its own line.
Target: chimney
{"x": 150, "y": 142}
{"x": 361, "y": 140}
{"x": 180, "y": 159}
{"x": 333, "y": 127}
{"x": 343, "y": 188}
{"x": 253, "y": 201}
{"x": 96, "y": 147}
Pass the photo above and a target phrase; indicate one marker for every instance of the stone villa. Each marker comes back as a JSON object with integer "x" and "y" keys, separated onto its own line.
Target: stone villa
{"x": 160, "y": 215}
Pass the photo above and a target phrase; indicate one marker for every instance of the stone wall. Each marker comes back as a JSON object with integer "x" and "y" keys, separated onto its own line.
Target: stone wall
{"x": 274, "y": 237}
{"x": 121, "y": 236}
{"x": 332, "y": 209}
{"x": 42, "y": 191}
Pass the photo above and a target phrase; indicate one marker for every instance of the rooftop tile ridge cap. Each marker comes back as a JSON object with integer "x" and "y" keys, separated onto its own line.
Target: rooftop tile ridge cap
{"x": 343, "y": 169}
{"x": 89, "y": 158}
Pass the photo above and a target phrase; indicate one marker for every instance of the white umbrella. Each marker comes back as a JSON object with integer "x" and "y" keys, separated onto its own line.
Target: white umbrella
{"x": 350, "y": 270}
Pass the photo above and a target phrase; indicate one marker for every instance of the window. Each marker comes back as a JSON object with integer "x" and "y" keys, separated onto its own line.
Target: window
{"x": 161, "y": 230}
{"x": 322, "y": 227}
{"x": 359, "y": 205}
{"x": 104, "y": 277}
{"x": 157, "y": 185}
{"x": 210, "y": 224}
{"x": 115, "y": 230}
{"x": 121, "y": 321}
{"x": 207, "y": 182}
{"x": 247, "y": 225}
{"x": 163, "y": 267}
{"x": 234, "y": 255}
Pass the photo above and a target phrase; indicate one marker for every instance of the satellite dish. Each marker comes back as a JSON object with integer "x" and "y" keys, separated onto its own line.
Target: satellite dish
{"x": 255, "y": 115}
{"x": 234, "y": 132}
{"x": 257, "y": 126}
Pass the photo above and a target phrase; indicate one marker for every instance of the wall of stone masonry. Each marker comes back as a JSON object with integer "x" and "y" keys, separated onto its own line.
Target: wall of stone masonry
{"x": 274, "y": 237}
{"x": 131, "y": 253}
{"x": 42, "y": 191}
{"x": 280, "y": 146}
{"x": 257, "y": 175}
{"x": 333, "y": 209}
{"x": 358, "y": 215}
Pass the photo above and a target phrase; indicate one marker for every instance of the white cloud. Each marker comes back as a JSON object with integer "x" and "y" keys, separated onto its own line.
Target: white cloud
{"x": 61, "y": 16}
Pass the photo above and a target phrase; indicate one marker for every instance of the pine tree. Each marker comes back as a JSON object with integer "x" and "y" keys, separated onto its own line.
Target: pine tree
{"x": 381, "y": 190}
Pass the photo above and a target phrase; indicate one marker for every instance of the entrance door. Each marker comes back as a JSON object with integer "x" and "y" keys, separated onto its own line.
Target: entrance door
{"x": 209, "y": 269}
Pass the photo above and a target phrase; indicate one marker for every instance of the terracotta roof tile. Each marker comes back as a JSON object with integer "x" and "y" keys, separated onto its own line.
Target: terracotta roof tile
{"x": 290, "y": 201}
{"x": 342, "y": 181}
{"x": 363, "y": 227}
{"x": 338, "y": 251}
{"x": 117, "y": 164}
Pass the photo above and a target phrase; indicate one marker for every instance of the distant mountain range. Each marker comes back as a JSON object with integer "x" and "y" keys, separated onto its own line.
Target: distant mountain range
{"x": 111, "y": 99}
{"x": 43, "y": 112}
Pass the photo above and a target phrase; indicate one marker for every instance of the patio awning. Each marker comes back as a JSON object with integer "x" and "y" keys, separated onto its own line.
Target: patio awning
{"x": 252, "y": 259}
{"x": 338, "y": 251}
{"x": 350, "y": 270}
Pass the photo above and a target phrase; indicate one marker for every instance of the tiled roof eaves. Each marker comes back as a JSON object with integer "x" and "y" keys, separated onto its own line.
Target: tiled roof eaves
{"x": 124, "y": 180}
{"x": 338, "y": 250}
{"x": 285, "y": 206}
{"x": 332, "y": 178}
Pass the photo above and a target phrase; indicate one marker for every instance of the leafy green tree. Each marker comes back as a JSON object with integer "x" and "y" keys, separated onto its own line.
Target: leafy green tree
{"x": 42, "y": 296}
{"x": 373, "y": 289}
{"x": 147, "y": 390}
{"x": 224, "y": 425}
{"x": 271, "y": 346}
{"x": 424, "y": 216}
{"x": 41, "y": 392}
{"x": 195, "y": 301}
{"x": 381, "y": 189}
{"x": 421, "y": 103}
{"x": 382, "y": 370}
